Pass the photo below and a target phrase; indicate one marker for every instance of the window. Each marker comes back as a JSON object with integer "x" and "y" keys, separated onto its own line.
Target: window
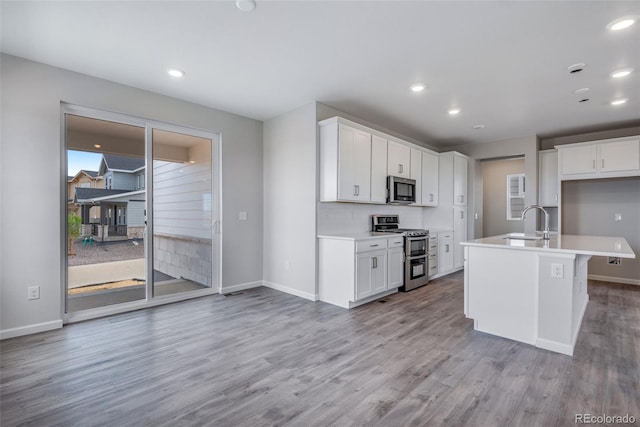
{"x": 515, "y": 196}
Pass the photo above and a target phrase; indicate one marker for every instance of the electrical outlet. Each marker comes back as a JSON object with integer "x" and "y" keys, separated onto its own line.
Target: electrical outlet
{"x": 33, "y": 292}
{"x": 614, "y": 260}
{"x": 557, "y": 270}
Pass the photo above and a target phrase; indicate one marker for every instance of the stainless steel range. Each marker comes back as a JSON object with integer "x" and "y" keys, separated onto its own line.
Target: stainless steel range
{"x": 416, "y": 259}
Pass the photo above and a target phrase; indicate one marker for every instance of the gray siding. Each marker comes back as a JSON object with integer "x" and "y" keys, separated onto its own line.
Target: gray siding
{"x": 123, "y": 181}
{"x": 182, "y": 200}
{"x": 135, "y": 213}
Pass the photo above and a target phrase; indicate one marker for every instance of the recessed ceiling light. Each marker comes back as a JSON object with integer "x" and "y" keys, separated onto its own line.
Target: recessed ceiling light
{"x": 619, "y": 101}
{"x": 621, "y": 23}
{"x": 97, "y": 145}
{"x": 454, "y": 111}
{"x": 418, "y": 87}
{"x": 582, "y": 90}
{"x": 175, "y": 72}
{"x": 576, "y": 68}
{"x": 246, "y": 5}
{"x": 478, "y": 126}
{"x": 623, "y": 72}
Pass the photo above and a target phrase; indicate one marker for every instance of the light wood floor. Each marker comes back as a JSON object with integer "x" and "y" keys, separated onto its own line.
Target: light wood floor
{"x": 262, "y": 358}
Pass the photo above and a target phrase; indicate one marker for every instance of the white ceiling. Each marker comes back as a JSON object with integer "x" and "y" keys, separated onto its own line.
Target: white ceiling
{"x": 503, "y": 63}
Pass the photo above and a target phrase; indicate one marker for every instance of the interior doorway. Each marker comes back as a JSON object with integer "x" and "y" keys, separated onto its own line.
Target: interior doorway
{"x": 503, "y": 192}
{"x": 141, "y": 207}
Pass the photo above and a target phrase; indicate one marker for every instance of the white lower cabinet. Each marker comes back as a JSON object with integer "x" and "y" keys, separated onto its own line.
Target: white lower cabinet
{"x": 353, "y": 271}
{"x": 445, "y": 252}
{"x": 371, "y": 273}
{"x": 459, "y": 235}
{"x": 396, "y": 270}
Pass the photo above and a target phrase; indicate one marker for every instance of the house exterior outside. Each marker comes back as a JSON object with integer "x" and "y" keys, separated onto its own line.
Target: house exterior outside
{"x": 83, "y": 179}
{"x": 115, "y": 211}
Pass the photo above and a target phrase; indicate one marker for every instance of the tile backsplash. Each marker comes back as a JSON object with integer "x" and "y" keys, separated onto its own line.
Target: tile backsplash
{"x": 336, "y": 218}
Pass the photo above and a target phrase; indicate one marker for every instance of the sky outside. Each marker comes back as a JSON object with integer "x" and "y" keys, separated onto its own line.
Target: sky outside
{"x": 77, "y": 160}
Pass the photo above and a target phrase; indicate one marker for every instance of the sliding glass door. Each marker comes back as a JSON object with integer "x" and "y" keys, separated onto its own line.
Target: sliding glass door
{"x": 141, "y": 209}
{"x": 182, "y": 206}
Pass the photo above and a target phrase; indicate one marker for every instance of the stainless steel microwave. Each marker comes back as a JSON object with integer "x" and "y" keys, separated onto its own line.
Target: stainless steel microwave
{"x": 400, "y": 190}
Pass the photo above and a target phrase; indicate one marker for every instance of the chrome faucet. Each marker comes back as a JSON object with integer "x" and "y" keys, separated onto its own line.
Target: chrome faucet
{"x": 545, "y": 233}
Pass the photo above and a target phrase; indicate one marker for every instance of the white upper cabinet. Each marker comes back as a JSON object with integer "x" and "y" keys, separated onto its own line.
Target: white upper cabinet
{"x": 345, "y": 163}
{"x": 416, "y": 173}
{"x": 399, "y": 160}
{"x": 548, "y": 178}
{"x": 354, "y": 165}
{"x": 579, "y": 160}
{"x": 617, "y": 157}
{"x": 429, "y": 179}
{"x": 378, "y": 169}
{"x": 460, "y": 167}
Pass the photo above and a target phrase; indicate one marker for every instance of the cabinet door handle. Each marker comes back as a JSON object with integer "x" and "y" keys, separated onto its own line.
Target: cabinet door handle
{"x": 594, "y": 164}
{"x": 356, "y": 190}
{"x": 431, "y": 197}
{"x": 375, "y": 261}
{"x": 461, "y": 199}
{"x": 461, "y": 214}
{"x": 446, "y": 249}
{"x": 399, "y": 167}
{"x": 374, "y": 246}
{"x": 602, "y": 163}
{"x": 556, "y": 197}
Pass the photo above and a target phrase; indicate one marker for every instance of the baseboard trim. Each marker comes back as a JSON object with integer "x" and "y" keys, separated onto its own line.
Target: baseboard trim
{"x": 622, "y": 280}
{"x": 30, "y": 329}
{"x": 291, "y": 291}
{"x": 240, "y": 287}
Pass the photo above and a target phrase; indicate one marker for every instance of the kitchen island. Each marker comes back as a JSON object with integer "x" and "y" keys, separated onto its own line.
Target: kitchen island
{"x": 533, "y": 290}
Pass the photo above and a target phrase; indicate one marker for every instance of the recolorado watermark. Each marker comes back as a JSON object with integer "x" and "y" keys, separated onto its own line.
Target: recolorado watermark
{"x": 604, "y": 419}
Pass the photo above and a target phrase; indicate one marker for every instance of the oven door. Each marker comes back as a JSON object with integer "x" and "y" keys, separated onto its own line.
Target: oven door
{"x": 416, "y": 246}
{"x": 416, "y": 271}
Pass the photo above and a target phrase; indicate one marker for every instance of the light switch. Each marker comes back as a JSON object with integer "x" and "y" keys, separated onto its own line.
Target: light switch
{"x": 242, "y": 216}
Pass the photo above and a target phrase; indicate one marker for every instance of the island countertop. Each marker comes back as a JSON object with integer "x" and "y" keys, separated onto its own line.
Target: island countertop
{"x": 564, "y": 243}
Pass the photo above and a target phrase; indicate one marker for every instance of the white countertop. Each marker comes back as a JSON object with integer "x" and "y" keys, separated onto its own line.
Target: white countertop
{"x": 565, "y": 243}
{"x": 358, "y": 236}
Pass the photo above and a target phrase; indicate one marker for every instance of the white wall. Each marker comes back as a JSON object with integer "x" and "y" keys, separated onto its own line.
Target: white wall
{"x": 32, "y": 249}
{"x": 526, "y": 146}
{"x": 290, "y": 194}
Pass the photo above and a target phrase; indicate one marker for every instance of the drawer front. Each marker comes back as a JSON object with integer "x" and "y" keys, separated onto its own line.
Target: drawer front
{"x": 433, "y": 269}
{"x": 445, "y": 236}
{"x": 371, "y": 245}
{"x": 396, "y": 242}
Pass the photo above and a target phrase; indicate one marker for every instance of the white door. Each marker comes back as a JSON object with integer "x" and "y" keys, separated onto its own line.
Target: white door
{"x": 619, "y": 156}
{"x": 459, "y": 235}
{"x": 416, "y": 173}
{"x": 399, "y": 160}
{"x": 429, "y": 179}
{"x": 378, "y": 169}
{"x": 396, "y": 270}
{"x": 354, "y": 164}
{"x": 577, "y": 160}
{"x": 460, "y": 166}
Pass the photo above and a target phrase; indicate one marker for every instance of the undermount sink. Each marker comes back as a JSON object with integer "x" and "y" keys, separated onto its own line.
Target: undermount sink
{"x": 522, "y": 236}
